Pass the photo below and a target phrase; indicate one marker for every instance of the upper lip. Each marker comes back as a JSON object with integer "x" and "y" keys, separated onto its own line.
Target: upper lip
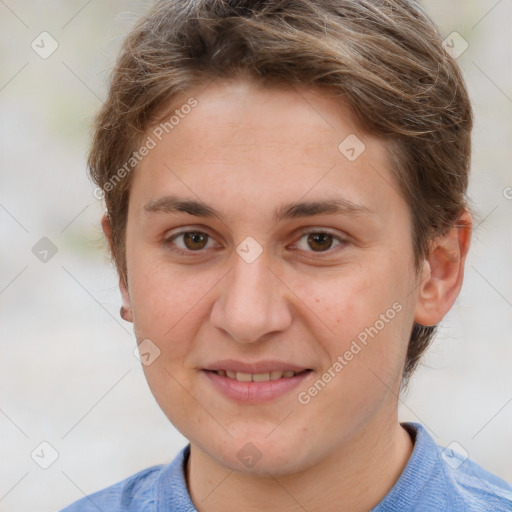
{"x": 265, "y": 366}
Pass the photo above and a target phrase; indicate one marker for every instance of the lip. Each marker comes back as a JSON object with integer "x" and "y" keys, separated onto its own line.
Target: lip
{"x": 255, "y": 392}
{"x": 266, "y": 366}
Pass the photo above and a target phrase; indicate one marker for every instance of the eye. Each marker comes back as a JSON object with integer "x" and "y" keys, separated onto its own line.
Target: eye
{"x": 319, "y": 241}
{"x": 189, "y": 241}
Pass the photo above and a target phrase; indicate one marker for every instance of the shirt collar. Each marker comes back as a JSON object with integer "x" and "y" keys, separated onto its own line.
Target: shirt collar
{"x": 172, "y": 492}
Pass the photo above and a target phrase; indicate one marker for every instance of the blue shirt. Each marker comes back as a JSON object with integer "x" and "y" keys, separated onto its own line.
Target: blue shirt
{"x": 434, "y": 480}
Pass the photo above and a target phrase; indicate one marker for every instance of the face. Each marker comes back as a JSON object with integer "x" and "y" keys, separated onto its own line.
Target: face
{"x": 260, "y": 240}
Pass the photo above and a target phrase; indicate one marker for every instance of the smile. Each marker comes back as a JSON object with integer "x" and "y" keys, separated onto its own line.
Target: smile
{"x": 255, "y": 388}
{"x": 257, "y": 377}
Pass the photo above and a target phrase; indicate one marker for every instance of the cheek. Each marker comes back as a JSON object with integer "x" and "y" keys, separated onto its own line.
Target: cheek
{"x": 366, "y": 311}
{"x": 170, "y": 305}
{"x": 160, "y": 296}
{"x": 345, "y": 301}
{"x": 172, "y": 388}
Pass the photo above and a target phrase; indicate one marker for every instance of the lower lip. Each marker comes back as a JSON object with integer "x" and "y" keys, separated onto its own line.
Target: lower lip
{"x": 255, "y": 392}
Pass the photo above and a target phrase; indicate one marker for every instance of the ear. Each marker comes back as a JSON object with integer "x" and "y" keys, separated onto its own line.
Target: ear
{"x": 126, "y": 310}
{"x": 443, "y": 273}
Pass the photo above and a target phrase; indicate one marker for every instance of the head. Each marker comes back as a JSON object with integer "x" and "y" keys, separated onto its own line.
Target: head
{"x": 221, "y": 116}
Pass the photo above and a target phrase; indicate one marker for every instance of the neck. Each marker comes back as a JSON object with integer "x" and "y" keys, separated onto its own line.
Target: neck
{"x": 354, "y": 478}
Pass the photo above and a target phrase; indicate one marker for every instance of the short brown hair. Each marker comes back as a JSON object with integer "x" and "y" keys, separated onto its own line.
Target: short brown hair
{"x": 383, "y": 58}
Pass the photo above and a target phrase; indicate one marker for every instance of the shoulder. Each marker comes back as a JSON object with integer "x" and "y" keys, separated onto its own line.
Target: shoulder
{"x": 458, "y": 483}
{"x": 144, "y": 491}
{"x": 437, "y": 478}
{"x": 478, "y": 489}
{"x": 135, "y": 493}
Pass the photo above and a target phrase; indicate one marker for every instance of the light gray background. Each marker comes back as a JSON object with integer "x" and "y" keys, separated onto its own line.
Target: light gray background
{"x": 67, "y": 369}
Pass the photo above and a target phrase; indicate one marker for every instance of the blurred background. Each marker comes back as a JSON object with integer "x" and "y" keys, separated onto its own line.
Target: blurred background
{"x": 76, "y": 413}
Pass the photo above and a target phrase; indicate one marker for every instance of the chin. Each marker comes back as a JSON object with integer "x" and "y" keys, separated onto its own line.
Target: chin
{"x": 261, "y": 454}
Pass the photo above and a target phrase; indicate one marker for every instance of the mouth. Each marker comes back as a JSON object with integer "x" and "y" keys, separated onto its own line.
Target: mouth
{"x": 258, "y": 377}
{"x": 255, "y": 388}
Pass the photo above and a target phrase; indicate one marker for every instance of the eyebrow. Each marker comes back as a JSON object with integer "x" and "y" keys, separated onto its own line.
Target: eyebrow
{"x": 339, "y": 206}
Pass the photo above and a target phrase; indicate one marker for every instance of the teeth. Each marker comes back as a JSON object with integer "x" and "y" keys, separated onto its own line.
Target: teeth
{"x": 260, "y": 377}
{"x": 256, "y": 377}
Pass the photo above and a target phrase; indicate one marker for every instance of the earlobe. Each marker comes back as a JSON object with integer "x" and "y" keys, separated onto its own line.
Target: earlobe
{"x": 125, "y": 311}
{"x": 443, "y": 272}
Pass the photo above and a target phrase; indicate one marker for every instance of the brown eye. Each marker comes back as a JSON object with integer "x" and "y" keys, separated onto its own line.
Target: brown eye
{"x": 320, "y": 241}
{"x": 195, "y": 240}
{"x": 189, "y": 242}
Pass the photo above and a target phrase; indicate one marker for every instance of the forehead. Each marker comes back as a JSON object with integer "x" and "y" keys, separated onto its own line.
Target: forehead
{"x": 247, "y": 145}
{"x": 244, "y": 109}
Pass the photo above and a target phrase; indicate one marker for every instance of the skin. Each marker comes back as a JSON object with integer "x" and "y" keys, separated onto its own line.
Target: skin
{"x": 246, "y": 151}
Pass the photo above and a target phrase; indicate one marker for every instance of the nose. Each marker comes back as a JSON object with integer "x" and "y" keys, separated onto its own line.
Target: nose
{"x": 252, "y": 302}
